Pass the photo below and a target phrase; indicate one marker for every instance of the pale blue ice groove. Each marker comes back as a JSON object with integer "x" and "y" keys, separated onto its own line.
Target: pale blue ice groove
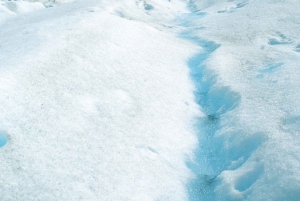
{"x": 214, "y": 101}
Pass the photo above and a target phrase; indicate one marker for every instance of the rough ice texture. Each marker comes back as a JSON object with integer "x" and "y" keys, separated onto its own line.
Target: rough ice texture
{"x": 147, "y": 100}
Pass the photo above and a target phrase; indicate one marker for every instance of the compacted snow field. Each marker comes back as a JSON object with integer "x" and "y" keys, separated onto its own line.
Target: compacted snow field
{"x": 159, "y": 100}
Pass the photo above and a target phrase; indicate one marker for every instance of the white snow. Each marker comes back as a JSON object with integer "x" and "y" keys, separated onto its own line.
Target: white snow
{"x": 96, "y": 106}
{"x": 149, "y": 100}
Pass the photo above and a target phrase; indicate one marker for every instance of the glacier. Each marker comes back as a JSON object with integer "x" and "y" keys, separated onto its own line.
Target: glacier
{"x": 158, "y": 100}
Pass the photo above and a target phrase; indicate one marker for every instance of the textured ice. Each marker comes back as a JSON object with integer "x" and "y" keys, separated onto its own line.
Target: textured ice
{"x": 149, "y": 100}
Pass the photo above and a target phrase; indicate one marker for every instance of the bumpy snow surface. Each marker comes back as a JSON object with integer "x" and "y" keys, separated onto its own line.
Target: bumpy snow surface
{"x": 149, "y": 100}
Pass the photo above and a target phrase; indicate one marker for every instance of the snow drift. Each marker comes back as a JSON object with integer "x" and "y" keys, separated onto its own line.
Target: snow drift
{"x": 96, "y": 106}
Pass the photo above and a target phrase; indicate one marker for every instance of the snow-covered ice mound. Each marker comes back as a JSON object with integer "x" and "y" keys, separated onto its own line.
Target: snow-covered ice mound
{"x": 96, "y": 105}
{"x": 149, "y": 100}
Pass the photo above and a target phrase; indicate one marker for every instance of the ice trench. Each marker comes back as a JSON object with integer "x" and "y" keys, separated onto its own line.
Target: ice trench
{"x": 215, "y": 101}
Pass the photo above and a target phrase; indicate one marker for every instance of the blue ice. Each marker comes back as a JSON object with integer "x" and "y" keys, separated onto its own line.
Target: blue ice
{"x": 3, "y": 138}
{"x": 214, "y": 100}
{"x": 271, "y": 67}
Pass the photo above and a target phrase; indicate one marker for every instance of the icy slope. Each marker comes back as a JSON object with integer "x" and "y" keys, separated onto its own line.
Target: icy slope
{"x": 147, "y": 100}
{"x": 96, "y": 104}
